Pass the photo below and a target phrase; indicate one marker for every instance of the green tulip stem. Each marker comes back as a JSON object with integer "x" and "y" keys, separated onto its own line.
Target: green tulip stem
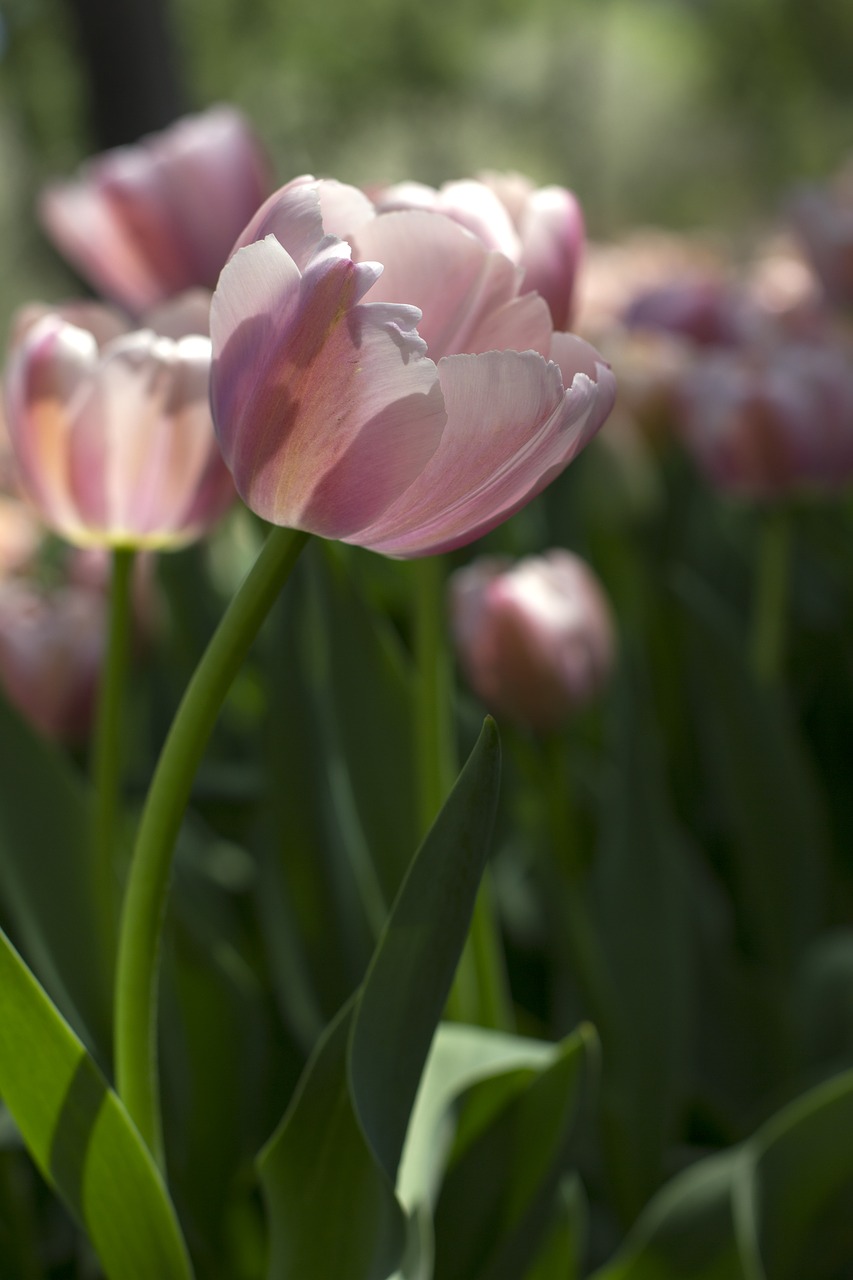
{"x": 107, "y": 752}
{"x": 147, "y": 889}
{"x": 769, "y": 622}
{"x": 587, "y": 960}
{"x": 480, "y": 992}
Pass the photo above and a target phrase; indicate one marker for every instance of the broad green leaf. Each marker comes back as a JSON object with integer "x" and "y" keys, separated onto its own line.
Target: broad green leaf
{"x": 687, "y": 1231}
{"x": 46, "y": 891}
{"x": 804, "y": 1172}
{"x": 760, "y": 780}
{"x": 777, "y": 1207}
{"x": 80, "y": 1136}
{"x": 511, "y": 1153}
{"x": 328, "y": 1171}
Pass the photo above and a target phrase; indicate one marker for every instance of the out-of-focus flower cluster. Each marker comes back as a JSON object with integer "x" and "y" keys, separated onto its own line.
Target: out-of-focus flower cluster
{"x": 749, "y": 364}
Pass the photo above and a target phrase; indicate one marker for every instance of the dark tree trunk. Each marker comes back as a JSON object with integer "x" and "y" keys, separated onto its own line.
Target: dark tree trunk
{"x": 128, "y": 48}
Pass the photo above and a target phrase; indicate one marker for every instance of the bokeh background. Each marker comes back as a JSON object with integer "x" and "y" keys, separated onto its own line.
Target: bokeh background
{"x": 679, "y": 113}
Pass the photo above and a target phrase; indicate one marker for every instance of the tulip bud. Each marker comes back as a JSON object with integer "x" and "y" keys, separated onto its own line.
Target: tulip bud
{"x": 535, "y": 639}
{"x": 113, "y": 440}
{"x": 146, "y": 222}
{"x": 51, "y": 651}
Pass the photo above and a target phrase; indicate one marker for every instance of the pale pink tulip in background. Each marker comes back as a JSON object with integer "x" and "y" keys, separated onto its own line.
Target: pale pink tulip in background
{"x": 380, "y": 378}
{"x": 143, "y": 223}
{"x": 535, "y": 638}
{"x": 111, "y": 430}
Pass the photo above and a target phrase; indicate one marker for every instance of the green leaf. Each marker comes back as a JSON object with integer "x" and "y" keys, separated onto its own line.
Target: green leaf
{"x": 80, "y": 1135}
{"x": 511, "y": 1153}
{"x": 328, "y": 1171}
{"x": 46, "y": 873}
{"x": 561, "y": 1254}
{"x": 777, "y": 1207}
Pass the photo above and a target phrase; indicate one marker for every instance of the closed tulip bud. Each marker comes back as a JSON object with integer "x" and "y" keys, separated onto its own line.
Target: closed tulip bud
{"x": 143, "y": 223}
{"x": 51, "y": 652}
{"x": 379, "y": 379}
{"x": 535, "y": 639}
{"x": 540, "y": 228}
{"x": 772, "y": 423}
{"x": 112, "y": 433}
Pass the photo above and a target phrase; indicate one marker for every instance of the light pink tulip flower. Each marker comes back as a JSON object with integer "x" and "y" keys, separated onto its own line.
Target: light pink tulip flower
{"x": 771, "y": 423}
{"x": 111, "y": 430}
{"x": 143, "y": 223}
{"x": 540, "y": 228}
{"x": 535, "y": 638}
{"x": 392, "y": 388}
{"x": 51, "y": 652}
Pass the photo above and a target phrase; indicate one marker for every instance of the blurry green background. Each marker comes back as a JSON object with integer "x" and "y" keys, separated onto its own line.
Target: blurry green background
{"x": 675, "y": 112}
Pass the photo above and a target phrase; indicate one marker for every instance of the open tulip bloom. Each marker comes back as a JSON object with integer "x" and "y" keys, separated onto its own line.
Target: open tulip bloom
{"x": 111, "y": 429}
{"x": 379, "y": 378}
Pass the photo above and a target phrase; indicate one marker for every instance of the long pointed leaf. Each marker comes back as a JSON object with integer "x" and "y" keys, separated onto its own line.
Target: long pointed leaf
{"x": 80, "y": 1135}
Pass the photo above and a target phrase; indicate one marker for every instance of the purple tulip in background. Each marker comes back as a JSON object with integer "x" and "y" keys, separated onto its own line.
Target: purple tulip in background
{"x": 379, "y": 378}
{"x": 144, "y": 223}
{"x": 540, "y": 228}
{"x": 111, "y": 429}
{"x": 535, "y": 638}
{"x": 772, "y": 422}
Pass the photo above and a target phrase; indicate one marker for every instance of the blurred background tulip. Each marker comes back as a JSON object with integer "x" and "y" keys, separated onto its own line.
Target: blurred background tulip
{"x": 114, "y": 443}
{"x": 535, "y": 639}
{"x": 146, "y": 222}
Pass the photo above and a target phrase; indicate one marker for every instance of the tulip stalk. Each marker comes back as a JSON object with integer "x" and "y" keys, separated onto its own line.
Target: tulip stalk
{"x": 145, "y": 899}
{"x": 480, "y": 993}
{"x": 769, "y": 622}
{"x": 107, "y": 750}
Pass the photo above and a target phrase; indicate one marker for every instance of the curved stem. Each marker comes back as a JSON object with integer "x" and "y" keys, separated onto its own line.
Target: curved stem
{"x": 107, "y": 753}
{"x": 480, "y": 992}
{"x": 769, "y": 623}
{"x": 145, "y": 899}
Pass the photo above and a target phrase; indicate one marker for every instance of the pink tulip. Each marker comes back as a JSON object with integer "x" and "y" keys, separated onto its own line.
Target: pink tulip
{"x": 146, "y": 222}
{"x": 769, "y": 423}
{"x": 535, "y": 639}
{"x": 539, "y": 228}
{"x": 51, "y": 651}
{"x": 822, "y": 217}
{"x": 391, "y": 389}
{"x": 114, "y": 443}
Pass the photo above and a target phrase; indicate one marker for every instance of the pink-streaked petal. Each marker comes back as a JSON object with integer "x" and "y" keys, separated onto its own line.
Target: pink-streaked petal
{"x": 291, "y": 214}
{"x": 435, "y": 264}
{"x": 326, "y": 409}
{"x": 512, "y": 427}
{"x": 48, "y": 377}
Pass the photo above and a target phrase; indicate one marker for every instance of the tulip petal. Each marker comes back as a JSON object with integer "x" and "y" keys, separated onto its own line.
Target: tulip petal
{"x": 431, "y": 261}
{"x": 552, "y": 235}
{"x": 512, "y": 427}
{"x": 326, "y": 408}
{"x": 48, "y": 375}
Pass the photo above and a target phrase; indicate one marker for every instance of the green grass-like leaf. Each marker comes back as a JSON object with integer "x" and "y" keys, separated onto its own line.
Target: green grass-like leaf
{"x": 80, "y": 1135}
